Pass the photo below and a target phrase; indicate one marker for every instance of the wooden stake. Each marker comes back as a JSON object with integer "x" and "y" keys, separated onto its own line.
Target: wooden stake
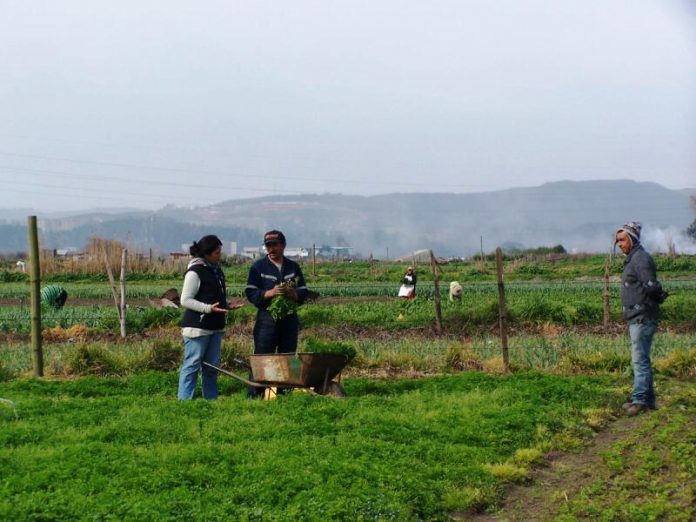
{"x": 314, "y": 259}
{"x": 122, "y": 308}
{"x": 607, "y": 311}
{"x": 502, "y": 308}
{"x": 35, "y": 278}
{"x": 112, "y": 283}
{"x": 436, "y": 284}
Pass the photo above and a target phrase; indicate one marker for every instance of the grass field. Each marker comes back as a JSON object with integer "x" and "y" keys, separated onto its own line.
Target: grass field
{"x": 125, "y": 449}
{"x": 431, "y": 428}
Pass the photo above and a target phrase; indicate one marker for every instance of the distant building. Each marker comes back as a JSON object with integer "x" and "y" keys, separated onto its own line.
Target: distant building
{"x": 334, "y": 251}
{"x": 296, "y": 253}
{"x": 253, "y": 252}
{"x": 291, "y": 252}
{"x": 66, "y": 251}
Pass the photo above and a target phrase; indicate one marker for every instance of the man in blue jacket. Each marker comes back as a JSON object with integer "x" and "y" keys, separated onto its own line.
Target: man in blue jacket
{"x": 263, "y": 285}
{"x": 641, "y": 296}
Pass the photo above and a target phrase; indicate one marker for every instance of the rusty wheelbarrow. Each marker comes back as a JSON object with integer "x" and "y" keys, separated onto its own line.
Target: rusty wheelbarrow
{"x": 318, "y": 373}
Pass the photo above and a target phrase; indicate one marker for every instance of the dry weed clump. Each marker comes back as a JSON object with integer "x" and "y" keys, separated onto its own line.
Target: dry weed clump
{"x": 76, "y": 332}
{"x": 593, "y": 363}
{"x": 461, "y": 357}
{"x": 163, "y": 355}
{"x": 597, "y": 418}
{"x": 551, "y": 330}
{"x": 679, "y": 363}
{"x": 508, "y": 472}
{"x": 493, "y": 365}
{"x": 91, "y": 359}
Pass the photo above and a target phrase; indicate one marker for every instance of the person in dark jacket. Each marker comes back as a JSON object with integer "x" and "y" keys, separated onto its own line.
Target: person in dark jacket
{"x": 204, "y": 297}
{"x": 269, "y": 278}
{"x": 641, "y": 295}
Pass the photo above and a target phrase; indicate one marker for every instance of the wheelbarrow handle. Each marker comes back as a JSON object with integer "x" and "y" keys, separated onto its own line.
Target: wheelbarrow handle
{"x": 235, "y": 376}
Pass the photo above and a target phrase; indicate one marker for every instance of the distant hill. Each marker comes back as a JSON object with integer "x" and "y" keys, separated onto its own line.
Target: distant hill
{"x": 579, "y": 215}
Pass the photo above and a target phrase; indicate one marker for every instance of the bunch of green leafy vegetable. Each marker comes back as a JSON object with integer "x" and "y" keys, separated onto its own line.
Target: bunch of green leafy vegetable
{"x": 281, "y": 305}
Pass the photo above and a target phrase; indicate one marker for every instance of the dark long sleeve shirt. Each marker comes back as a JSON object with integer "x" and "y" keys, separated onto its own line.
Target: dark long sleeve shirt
{"x": 264, "y": 275}
{"x": 640, "y": 289}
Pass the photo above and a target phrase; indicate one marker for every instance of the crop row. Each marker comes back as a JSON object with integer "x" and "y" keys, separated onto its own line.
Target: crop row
{"x": 20, "y": 291}
{"x": 474, "y": 310}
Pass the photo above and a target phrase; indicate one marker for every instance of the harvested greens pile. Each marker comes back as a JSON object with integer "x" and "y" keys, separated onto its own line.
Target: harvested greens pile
{"x": 322, "y": 346}
{"x": 282, "y": 306}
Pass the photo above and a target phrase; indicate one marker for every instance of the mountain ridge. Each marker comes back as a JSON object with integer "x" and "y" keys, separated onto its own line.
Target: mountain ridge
{"x": 580, "y": 215}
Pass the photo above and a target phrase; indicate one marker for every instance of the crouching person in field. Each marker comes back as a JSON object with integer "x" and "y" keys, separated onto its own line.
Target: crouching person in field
{"x": 455, "y": 292}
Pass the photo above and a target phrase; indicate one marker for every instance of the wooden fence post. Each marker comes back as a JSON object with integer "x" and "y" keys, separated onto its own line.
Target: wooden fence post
{"x": 607, "y": 311}
{"x": 502, "y": 308}
{"x": 314, "y": 259}
{"x": 436, "y": 290}
{"x": 122, "y": 308}
{"x": 112, "y": 283}
{"x": 35, "y": 278}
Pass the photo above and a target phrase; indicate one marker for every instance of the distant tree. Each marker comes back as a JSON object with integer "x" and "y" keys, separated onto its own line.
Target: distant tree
{"x": 691, "y": 230}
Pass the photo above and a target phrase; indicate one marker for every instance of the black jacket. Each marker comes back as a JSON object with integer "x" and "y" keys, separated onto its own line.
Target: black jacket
{"x": 641, "y": 292}
{"x": 264, "y": 275}
{"x": 212, "y": 290}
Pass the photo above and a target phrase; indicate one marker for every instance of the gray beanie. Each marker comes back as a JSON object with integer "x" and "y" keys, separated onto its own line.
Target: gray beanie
{"x": 632, "y": 228}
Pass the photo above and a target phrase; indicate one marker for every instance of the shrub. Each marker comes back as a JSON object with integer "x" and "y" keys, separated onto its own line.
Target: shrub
{"x": 86, "y": 359}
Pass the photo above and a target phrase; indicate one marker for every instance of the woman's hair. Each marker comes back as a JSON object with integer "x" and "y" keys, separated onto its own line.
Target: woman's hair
{"x": 205, "y": 246}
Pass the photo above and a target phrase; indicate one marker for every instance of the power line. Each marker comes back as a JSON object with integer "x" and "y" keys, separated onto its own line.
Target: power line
{"x": 139, "y": 181}
{"x": 258, "y": 176}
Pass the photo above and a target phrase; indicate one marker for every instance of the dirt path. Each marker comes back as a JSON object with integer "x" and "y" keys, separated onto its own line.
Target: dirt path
{"x": 637, "y": 466}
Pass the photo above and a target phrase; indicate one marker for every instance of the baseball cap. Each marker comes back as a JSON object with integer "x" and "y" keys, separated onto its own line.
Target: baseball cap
{"x": 273, "y": 236}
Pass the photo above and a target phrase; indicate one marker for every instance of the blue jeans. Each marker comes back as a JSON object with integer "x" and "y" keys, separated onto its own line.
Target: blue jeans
{"x": 196, "y": 350}
{"x": 272, "y": 336}
{"x": 641, "y": 339}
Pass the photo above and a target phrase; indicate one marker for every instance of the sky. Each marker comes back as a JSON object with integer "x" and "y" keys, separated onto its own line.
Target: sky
{"x": 147, "y": 103}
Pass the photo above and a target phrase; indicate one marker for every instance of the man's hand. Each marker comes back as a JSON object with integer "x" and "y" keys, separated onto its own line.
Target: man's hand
{"x": 270, "y": 294}
{"x": 237, "y": 303}
{"x": 290, "y": 293}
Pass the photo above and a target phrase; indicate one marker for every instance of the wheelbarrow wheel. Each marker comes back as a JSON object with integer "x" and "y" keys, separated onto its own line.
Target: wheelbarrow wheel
{"x": 333, "y": 389}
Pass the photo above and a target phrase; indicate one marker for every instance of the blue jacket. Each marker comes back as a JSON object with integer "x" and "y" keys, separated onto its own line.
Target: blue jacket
{"x": 264, "y": 275}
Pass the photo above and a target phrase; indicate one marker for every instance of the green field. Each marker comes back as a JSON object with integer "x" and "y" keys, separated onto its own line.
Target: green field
{"x": 431, "y": 429}
{"x": 125, "y": 449}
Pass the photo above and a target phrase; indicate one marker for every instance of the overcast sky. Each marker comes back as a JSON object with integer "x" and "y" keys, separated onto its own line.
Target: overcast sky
{"x": 140, "y": 104}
